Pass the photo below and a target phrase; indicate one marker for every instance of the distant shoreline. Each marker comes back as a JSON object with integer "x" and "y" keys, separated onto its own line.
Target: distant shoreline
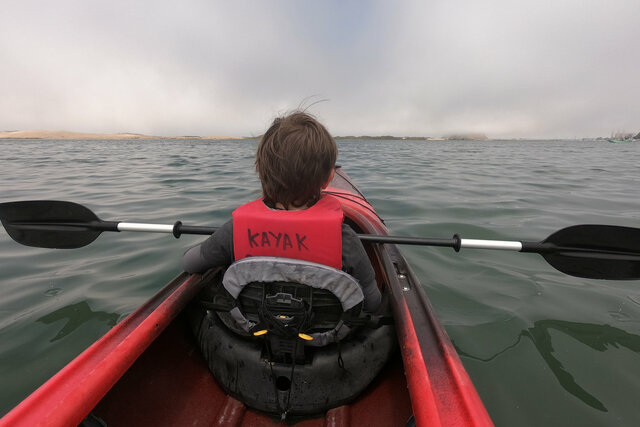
{"x": 66, "y": 135}
{"x": 57, "y": 134}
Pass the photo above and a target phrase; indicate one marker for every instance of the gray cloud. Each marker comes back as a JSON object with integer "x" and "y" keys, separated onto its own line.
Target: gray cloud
{"x": 508, "y": 69}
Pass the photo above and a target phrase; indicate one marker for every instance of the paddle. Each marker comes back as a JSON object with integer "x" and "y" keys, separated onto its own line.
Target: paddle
{"x": 590, "y": 251}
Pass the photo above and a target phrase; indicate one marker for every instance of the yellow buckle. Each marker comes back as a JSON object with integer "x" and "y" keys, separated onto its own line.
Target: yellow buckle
{"x": 306, "y": 337}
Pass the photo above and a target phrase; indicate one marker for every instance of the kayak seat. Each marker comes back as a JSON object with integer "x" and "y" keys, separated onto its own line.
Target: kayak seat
{"x": 280, "y": 333}
{"x": 287, "y": 298}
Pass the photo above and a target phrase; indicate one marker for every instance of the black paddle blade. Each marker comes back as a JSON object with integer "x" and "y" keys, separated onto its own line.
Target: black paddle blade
{"x": 595, "y": 251}
{"x": 50, "y": 224}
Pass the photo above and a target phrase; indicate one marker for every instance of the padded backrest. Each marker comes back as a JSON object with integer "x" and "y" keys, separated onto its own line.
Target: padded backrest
{"x": 271, "y": 269}
{"x": 266, "y": 270}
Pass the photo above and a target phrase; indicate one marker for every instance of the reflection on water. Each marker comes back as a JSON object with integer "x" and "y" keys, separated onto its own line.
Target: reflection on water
{"x": 598, "y": 337}
{"x": 76, "y": 315}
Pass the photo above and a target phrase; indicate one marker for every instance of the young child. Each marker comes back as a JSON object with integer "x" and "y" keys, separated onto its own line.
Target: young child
{"x": 295, "y": 160}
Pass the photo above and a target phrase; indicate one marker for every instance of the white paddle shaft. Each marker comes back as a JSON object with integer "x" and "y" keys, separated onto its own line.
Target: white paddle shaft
{"x": 491, "y": 244}
{"x": 153, "y": 228}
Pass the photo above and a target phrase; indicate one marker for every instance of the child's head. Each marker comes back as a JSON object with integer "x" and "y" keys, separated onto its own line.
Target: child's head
{"x": 295, "y": 159}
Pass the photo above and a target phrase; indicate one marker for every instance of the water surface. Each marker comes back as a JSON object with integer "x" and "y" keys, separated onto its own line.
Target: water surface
{"x": 541, "y": 347}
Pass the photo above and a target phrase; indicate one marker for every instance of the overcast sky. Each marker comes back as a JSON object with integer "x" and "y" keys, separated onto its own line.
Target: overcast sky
{"x": 506, "y": 68}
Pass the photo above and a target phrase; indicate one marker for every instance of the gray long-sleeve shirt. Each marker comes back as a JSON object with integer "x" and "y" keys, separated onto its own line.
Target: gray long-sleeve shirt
{"x": 217, "y": 250}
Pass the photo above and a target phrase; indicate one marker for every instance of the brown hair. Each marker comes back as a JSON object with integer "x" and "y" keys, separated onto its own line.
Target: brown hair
{"x": 295, "y": 158}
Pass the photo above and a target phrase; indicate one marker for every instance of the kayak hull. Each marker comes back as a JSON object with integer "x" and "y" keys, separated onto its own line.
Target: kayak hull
{"x": 148, "y": 369}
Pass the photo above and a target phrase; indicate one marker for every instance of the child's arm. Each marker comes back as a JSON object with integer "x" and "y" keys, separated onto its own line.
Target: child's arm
{"x": 216, "y": 251}
{"x": 355, "y": 262}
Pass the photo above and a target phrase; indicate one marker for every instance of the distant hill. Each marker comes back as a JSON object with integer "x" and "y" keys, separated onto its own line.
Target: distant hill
{"x": 467, "y": 137}
{"x": 383, "y": 137}
{"x": 457, "y": 136}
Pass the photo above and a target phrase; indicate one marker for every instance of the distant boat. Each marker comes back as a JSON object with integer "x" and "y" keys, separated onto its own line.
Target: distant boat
{"x": 620, "y": 140}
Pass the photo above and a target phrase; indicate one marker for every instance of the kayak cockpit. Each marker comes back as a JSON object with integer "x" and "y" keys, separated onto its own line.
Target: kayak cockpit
{"x": 295, "y": 351}
{"x": 171, "y": 383}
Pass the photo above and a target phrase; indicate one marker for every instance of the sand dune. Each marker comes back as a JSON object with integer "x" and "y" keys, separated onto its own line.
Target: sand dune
{"x": 59, "y": 134}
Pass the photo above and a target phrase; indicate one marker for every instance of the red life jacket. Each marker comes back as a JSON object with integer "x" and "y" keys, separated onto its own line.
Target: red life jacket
{"x": 313, "y": 234}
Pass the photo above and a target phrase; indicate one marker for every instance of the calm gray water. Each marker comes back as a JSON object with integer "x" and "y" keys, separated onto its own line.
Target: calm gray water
{"x": 541, "y": 347}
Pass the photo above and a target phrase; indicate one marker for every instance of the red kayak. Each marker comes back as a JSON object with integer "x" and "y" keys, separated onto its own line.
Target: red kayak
{"x": 148, "y": 370}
